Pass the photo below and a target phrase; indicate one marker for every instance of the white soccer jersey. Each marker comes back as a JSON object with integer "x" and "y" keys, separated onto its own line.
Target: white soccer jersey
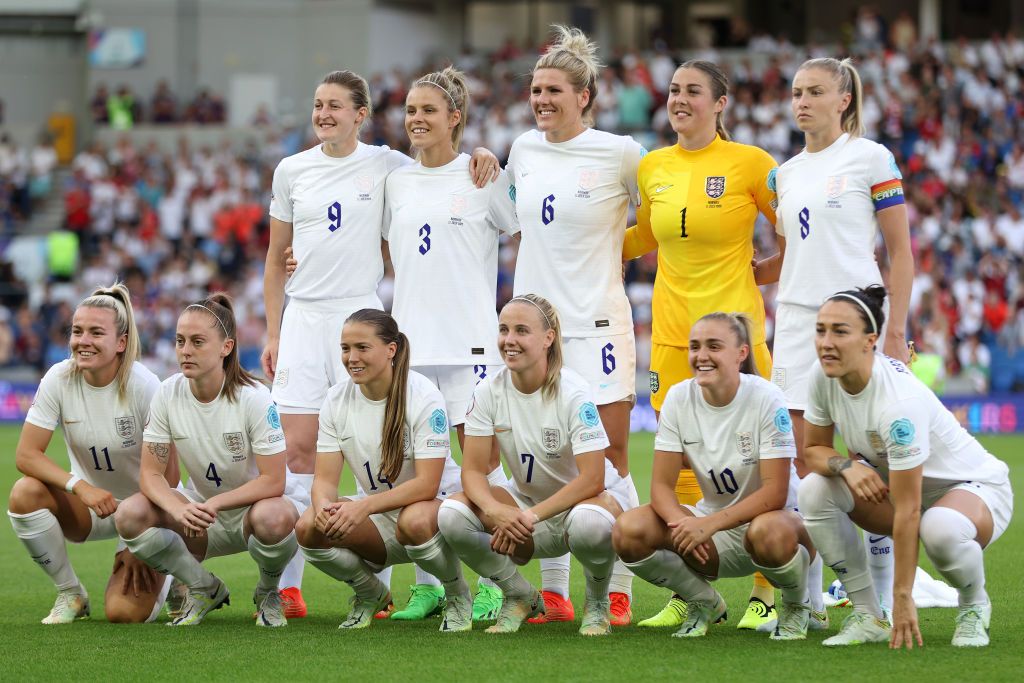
{"x": 572, "y": 200}
{"x": 103, "y": 433}
{"x": 336, "y": 209}
{"x": 216, "y": 441}
{"x": 539, "y": 439}
{"x": 827, "y": 206}
{"x": 897, "y": 423}
{"x": 725, "y": 445}
{"x": 443, "y": 236}
{"x": 352, "y": 423}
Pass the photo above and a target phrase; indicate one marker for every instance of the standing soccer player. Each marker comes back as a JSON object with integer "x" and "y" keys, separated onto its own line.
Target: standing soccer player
{"x": 699, "y": 203}
{"x": 100, "y": 398}
{"x": 914, "y": 473}
{"x": 225, "y": 428}
{"x": 573, "y": 187}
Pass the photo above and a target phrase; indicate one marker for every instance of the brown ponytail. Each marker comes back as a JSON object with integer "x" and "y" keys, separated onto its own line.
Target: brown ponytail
{"x": 220, "y": 307}
{"x": 719, "y": 89}
{"x": 742, "y": 326}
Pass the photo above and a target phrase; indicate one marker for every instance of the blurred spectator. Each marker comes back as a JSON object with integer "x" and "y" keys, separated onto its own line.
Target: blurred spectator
{"x": 123, "y": 109}
{"x": 163, "y": 106}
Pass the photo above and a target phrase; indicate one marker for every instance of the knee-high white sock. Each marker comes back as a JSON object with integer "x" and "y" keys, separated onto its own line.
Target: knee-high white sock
{"x": 790, "y": 578}
{"x": 297, "y": 486}
{"x": 384, "y": 576}
{"x": 825, "y": 503}
{"x": 465, "y": 533}
{"x": 948, "y": 537}
{"x": 880, "y": 562}
{"x": 439, "y": 561}
{"x": 814, "y": 584}
{"x": 291, "y": 577}
{"x": 554, "y": 575}
{"x": 588, "y": 529}
{"x": 41, "y": 534}
{"x": 272, "y": 559}
{"x": 667, "y": 569}
{"x": 165, "y": 551}
{"x": 423, "y": 577}
{"x": 344, "y": 565}
{"x": 497, "y": 477}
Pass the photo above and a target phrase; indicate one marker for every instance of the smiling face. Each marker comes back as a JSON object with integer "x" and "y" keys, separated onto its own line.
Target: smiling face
{"x": 556, "y": 105}
{"x": 716, "y": 353}
{"x": 200, "y": 344}
{"x": 335, "y": 118}
{"x": 366, "y": 357}
{"x": 94, "y": 342}
{"x": 692, "y": 106}
{"x": 842, "y": 344}
{"x": 817, "y": 104}
{"x": 522, "y": 338}
{"x": 428, "y": 120}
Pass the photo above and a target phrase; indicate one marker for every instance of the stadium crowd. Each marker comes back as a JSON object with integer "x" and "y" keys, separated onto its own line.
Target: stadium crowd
{"x": 176, "y": 225}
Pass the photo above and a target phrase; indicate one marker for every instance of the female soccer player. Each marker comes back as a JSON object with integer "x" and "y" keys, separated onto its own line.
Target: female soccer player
{"x": 573, "y": 185}
{"x": 442, "y": 234}
{"x": 225, "y": 428}
{"x": 699, "y": 202}
{"x": 834, "y": 197}
{"x": 550, "y": 435}
{"x": 730, "y": 427}
{"x": 915, "y": 474}
{"x": 328, "y": 205}
{"x": 389, "y": 425}
{"x": 100, "y": 397}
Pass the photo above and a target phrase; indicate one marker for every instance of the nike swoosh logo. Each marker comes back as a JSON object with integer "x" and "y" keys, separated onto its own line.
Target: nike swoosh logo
{"x": 690, "y": 443}
{"x": 835, "y": 563}
{"x": 876, "y": 539}
{"x": 661, "y": 188}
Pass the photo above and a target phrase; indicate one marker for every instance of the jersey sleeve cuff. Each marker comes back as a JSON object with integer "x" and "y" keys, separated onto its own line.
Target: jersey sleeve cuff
{"x": 818, "y": 422}
{"x": 52, "y": 426}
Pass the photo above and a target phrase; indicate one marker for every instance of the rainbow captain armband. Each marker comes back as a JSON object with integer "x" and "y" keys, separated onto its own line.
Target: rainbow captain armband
{"x": 889, "y": 193}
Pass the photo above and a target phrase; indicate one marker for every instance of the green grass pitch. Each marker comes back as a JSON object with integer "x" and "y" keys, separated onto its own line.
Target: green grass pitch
{"x": 228, "y": 646}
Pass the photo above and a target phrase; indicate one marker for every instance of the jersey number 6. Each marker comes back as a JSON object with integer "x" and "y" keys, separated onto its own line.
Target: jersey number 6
{"x": 547, "y": 209}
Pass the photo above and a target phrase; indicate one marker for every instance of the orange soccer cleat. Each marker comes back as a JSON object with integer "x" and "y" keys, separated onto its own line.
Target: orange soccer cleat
{"x": 622, "y": 613}
{"x": 557, "y": 609}
{"x": 294, "y": 605}
{"x": 386, "y": 612}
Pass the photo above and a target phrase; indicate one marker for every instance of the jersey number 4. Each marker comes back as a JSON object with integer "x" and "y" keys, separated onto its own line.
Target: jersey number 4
{"x": 211, "y": 475}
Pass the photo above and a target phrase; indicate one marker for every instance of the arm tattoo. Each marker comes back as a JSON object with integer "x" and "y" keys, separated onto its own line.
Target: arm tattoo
{"x": 837, "y": 463}
{"x": 160, "y": 451}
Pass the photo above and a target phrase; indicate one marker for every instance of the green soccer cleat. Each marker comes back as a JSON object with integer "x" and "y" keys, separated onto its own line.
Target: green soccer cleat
{"x": 672, "y": 614}
{"x": 201, "y": 602}
{"x": 860, "y": 628}
{"x": 972, "y": 622}
{"x": 758, "y": 613}
{"x": 487, "y": 603}
{"x": 424, "y": 601}
{"x": 70, "y": 606}
{"x": 700, "y": 614}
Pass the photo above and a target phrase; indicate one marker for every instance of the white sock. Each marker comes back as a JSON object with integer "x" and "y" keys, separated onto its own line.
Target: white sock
{"x": 825, "y": 503}
{"x": 880, "y": 563}
{"x": 791, "y": 578}
{"x": 948, "y": 538}
{"x": 291, "y": 577}
{"x": 272, "y": 559}
{"x": 588, "y": 529}
{"x": 666, "y": 569}
{"x": 165, "y": 551}
{"x": 554, "y": 575}
{"x": 344, "y": 565}
{"x": 814, "y": 584}
{"x": 634, "y": 497}
{"x": 41, "y": 534}
{"x": 424, "y": 577}
{"x": 497, "y": 477}
{"x": 438, "y": 560}
{"x": 384, "y": 576}
{"x": 298, "y": 486}
{"x": 466, "y": 535}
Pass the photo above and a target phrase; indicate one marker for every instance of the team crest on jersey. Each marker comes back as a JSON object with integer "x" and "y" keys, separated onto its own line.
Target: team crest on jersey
{"x": 233, "y": 442}
{"x": 589, "y": 178}
{"x": 281, "y": 377}
{"x": 835, "y": 186}
{"x": 877, "y": 443}
{"x": 779, "y": 377}
{"x": 745, "y": 445}
{"x": 125, "y": 426}
{"x": 655, "y": 382}
{"x": 552, "y": 439}
{"x": 364, "y": 183}
{"x": 714, "y": 186}
{"x": 457, "y": 205}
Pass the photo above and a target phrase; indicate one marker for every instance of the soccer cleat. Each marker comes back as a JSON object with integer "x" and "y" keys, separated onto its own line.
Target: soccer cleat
{"x": 672, "y": 614}
{"x": 621, "y": 612}
{"x": 176, "y": 599}
{"x": 386, "y": 612}
{"x": 294, "y": 604}
{"x": 424, "y": 601}
{"x": 972, "y": 622}
{"x": 515, "y": 609}
{"x": 487, "y": 603}
{"x": 70, "y": 605}
{"x": 457, "y": 615}
{"x": 836, "y": 595}
{"x": 758, "y": 613}
{"x": 362, "y": 611}
{"x": 596, "y": 617}
{"x": 201, "y": 602}
{"x": 699, "y": 615}
{"x": 792, "y": 622}
{"x": 816, "y": 621}
{"x": 859, "y": 628}
{"x": 270, "y": 609}
{"x": 557, "y": 609}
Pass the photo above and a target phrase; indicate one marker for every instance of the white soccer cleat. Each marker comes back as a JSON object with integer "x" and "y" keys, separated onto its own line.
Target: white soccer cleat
{"x": 596, "y": 618}
{"x": 363, "y": 609}
{"x": 700, "y": 614}
{"x": 972, "y": 622}
{"x": 200, "y": 603}
{"x": 792, "y": 623}
{"x": 70, "y": 605}
{"x": 816, "y": 621}
{"x": 859, "y": 628}
{"x": 515, "y": 609}
{"x": 457, "y": 616}
{"x": 269, "y": 608}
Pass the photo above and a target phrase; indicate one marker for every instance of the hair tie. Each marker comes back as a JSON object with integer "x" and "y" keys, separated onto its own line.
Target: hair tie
{"x": 857, "y": 299}
{"x": 215, "y": 317}
{"x": 535, "y": 305}
{"x": 440, "y": 87}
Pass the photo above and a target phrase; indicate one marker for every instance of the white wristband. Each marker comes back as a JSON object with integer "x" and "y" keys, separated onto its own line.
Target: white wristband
{"x": 70, "y": 486}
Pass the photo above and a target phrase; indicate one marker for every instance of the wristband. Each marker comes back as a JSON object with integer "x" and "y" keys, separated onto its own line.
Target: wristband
{"x": 70, "y": 485}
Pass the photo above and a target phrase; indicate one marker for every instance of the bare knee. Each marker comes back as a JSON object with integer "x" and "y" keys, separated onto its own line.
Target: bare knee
{"x": 134, "y": 515}
{"x": 272, "y": 519}
{"x": 770, "y": 541}
{"x": 305, "y": 530}
{"x": 632, "y": 534}
{"x": 28, "y": 495}
{"x": 416, "y": 525}
{"x": 120, "y": 609}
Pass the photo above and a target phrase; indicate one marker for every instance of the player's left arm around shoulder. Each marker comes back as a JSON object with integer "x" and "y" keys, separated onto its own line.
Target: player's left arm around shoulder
{"x": 895, "y": 227}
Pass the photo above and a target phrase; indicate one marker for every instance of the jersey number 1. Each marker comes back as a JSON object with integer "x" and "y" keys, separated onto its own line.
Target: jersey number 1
{"x": 682, "y": 223}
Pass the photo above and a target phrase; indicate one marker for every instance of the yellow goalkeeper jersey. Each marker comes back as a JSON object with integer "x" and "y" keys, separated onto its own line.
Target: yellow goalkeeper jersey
{"x": 698, "y": 209}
